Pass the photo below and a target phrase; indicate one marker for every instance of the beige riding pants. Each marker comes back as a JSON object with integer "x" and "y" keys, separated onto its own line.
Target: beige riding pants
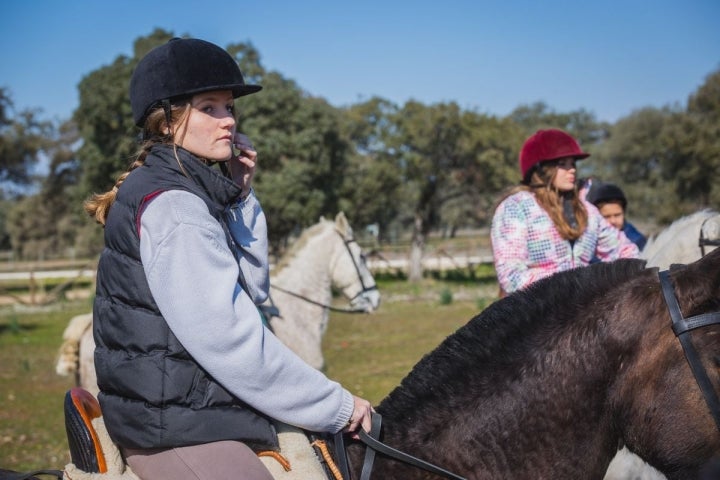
{"x": 211, "y": 461}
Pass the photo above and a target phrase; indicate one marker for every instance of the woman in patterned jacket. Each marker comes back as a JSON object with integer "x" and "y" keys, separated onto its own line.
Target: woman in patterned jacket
{"x": 543, "y": 226}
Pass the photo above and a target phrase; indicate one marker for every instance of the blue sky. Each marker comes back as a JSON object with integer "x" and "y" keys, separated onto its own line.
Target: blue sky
{"x": 609, "y": 57}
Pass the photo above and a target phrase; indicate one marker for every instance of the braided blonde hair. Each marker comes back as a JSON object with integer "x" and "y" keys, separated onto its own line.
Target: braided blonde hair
{"x": 156, "y": 131}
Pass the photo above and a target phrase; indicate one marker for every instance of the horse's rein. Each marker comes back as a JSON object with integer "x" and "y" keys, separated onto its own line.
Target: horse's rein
{"x": 682, "y": 326}
{"x": 374, "y": 445}
{"x": 319, "y": 304}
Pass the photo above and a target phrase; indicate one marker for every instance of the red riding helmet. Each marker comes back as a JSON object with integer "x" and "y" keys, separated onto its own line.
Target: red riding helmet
{"x": 546, "y": 145}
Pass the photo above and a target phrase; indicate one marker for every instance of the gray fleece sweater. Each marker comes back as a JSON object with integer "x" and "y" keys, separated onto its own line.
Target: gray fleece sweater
{"x": 236, "y": 349}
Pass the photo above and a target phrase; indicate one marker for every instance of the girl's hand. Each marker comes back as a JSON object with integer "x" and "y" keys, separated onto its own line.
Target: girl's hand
{"x": 242, "y": 165}
{"x": 360, "y": 418}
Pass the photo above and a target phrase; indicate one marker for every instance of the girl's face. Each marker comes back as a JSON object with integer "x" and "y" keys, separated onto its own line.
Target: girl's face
{"x": 209, "y": 128}
{"x": 564, "y": 180}
{"x": 613, "y": 213}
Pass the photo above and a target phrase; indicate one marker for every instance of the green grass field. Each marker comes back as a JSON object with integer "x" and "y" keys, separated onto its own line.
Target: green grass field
{"x": 32, "y": 429}
{"x": 368, "y": 354}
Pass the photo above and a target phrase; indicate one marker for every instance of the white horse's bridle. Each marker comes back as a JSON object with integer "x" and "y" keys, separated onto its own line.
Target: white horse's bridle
{"x": 359, "y": 303}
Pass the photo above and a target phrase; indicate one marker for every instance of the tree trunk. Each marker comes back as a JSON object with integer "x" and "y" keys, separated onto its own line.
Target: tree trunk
{"x": 415, "y": 268}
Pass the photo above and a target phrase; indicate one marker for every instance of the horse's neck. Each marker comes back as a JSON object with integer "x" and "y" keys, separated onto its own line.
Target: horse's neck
{"x": 307, "y": 272}
{"x": 303, "y": 321}
{"x": 492, "y": 416}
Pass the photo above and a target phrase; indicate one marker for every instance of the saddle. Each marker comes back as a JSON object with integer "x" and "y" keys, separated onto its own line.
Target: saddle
{"x": 81, "y": 407}
{"x": 95, "y": 457}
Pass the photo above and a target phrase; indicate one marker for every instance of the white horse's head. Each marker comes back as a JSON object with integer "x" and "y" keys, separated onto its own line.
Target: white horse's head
{"x": 349, "y": 270}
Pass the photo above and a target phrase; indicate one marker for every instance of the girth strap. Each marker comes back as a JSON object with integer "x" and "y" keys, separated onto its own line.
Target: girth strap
{"x": 682, "y": 326}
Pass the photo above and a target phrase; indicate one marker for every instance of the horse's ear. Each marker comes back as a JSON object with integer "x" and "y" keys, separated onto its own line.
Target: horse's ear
{"x": 341, "y": 224}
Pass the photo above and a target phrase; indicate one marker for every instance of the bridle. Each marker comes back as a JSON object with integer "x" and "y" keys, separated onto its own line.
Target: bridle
{"x": 365, "y": 288}
{"x": 703, "y": 242}
{"x": 682, "y": 327}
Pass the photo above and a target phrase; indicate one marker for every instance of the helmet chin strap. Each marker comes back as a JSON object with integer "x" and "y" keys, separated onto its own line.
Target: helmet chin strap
{"x": 165, "y": 102}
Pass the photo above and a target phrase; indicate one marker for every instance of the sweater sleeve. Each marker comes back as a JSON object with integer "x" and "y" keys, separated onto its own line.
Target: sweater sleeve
{"x": 193, "y": 277}
{"x": 247, "y": 225}
{"x": 509, "y": 237}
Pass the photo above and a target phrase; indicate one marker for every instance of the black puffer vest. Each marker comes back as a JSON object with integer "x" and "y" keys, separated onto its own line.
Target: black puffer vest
{"x": 153, "y": 394}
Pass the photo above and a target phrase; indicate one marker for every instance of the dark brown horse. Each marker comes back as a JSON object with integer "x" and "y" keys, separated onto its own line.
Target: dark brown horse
{"x": 549, "y": 382}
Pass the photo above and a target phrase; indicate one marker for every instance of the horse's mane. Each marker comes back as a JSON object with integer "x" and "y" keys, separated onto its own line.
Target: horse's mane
{"x": 299, "y": 244}
{"x": 511, "y": 329}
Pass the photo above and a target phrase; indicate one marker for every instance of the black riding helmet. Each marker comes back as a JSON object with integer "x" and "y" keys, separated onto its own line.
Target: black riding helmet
{"x": 606, "y": 192}
{"x": 180, "y": 68}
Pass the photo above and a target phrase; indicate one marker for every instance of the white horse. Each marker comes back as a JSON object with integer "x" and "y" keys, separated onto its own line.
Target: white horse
{"x": 324, "y": 257}
{"x": 684, "y": 241}
{"x": 681, "y": 241}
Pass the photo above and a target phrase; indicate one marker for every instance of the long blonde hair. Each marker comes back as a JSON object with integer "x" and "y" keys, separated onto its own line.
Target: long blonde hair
{"x": 551, "y": 200}
{"x": 156, "y": 131}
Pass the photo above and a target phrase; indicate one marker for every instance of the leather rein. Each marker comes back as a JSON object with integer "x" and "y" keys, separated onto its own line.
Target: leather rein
{"x": 374, "y": 445}
{"x": 682, "y": 327}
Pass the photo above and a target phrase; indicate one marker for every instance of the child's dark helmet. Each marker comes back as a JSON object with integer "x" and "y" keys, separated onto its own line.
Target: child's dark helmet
{"x": 604, "y": 193}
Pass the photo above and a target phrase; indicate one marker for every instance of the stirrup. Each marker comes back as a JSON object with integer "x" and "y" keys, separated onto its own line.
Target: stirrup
{"x": 86, "y": 452}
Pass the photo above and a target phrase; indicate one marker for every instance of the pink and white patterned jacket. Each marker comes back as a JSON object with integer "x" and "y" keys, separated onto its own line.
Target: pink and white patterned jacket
{"x": 527, "y": 246}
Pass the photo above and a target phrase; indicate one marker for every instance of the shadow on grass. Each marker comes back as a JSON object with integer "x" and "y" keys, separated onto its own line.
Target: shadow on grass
{"x": 13, "y": 327}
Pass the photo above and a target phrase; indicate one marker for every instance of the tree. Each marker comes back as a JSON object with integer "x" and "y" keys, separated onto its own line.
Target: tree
{"x": 372, "y": 183}
{"x": 704, "y": 111}
{"x": 453, "y": 163}
{"x": 302, "y": 153}
{"x": 46, "y": 224}
{"x": 104, "y": 118}
{"x": 491, "y": 145}
{"x": 581, "y": 124}
{"x": 635, "y": 156}
{"x": 22, "y": 138}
